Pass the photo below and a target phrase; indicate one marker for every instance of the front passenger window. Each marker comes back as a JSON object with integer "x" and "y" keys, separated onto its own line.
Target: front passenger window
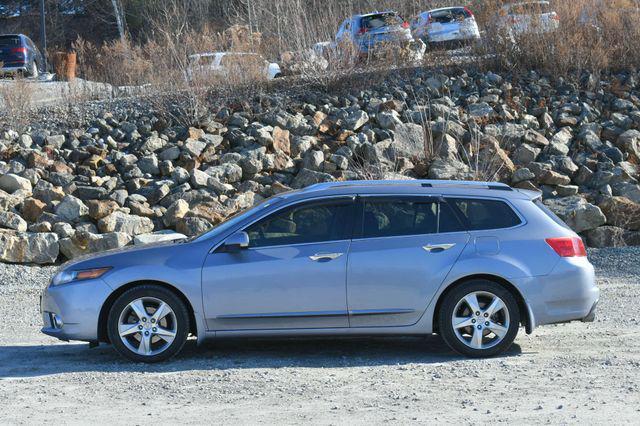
{"x": 302, "y": 224}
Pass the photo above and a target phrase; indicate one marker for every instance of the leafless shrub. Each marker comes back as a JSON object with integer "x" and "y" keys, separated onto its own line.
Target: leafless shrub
{"x": 16, "y": 99}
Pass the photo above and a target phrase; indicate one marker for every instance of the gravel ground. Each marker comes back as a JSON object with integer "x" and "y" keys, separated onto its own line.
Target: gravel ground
{"x": 568, "y": 373}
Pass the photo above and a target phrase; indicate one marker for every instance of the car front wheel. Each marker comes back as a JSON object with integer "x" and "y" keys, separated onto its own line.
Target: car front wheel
{"x": 479, "y": 318}
{"x": 148, "y": 323}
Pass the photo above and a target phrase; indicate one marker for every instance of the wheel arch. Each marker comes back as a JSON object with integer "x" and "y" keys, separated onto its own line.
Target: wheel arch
{"x": 106, "y": 306}
{"x": 525, "y": 316}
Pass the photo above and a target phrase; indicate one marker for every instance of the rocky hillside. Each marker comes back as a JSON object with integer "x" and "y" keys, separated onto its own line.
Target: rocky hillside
{"x": 129, "y": 176}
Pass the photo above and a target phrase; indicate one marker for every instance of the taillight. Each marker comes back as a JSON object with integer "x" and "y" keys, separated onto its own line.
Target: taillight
{"x": 362, "y": 31}
{"x": 555, "y": 16}
{"x": 22, "y": 50}
{"x": 567, "y": 246}
{"x": 405, "y": 24}
{"x": 469, "y": 12}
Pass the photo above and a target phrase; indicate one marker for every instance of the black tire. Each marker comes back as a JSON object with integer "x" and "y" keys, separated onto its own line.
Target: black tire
{"x": 156, "y": 292}
{"x": 451, "y": 301}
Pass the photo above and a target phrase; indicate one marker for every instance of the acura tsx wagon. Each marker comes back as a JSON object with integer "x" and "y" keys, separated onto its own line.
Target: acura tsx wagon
{"x": 470, "y": 261}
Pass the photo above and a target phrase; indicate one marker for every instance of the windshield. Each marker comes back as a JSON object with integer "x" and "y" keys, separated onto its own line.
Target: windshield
{"x": 237, "y": 217}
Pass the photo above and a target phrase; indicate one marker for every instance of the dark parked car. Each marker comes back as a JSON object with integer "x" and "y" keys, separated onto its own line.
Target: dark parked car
{"x": 19, "y": 55}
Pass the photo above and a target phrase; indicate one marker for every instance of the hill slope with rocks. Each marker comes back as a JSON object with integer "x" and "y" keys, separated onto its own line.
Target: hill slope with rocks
{"x": 131, "y": 175}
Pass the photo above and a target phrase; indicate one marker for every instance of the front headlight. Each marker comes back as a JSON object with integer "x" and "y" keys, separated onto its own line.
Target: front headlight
{"x": 68, "y": 276}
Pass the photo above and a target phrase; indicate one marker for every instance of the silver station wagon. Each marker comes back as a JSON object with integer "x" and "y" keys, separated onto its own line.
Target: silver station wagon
{"x": 471, "y": 261}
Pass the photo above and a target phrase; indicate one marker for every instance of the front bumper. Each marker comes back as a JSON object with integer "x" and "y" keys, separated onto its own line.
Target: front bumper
{"x": 77, "y": 308}
{"x": 568, "y": 293}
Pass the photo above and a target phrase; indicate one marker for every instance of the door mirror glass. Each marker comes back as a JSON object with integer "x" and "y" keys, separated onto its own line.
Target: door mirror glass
{"x": 236, "y": 242}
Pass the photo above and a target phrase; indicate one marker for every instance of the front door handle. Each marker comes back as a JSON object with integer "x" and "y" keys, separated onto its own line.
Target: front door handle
{"x": 437, "y": 248}
{"x": 325, "y": 256}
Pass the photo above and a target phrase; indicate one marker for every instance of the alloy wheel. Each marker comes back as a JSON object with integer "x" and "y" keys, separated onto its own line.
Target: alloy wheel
{"x": 147, "y": 326}
{"x": 480, "y": 320}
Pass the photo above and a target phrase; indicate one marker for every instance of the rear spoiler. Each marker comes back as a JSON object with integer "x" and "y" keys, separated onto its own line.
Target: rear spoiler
{"x": 532, "y": 195}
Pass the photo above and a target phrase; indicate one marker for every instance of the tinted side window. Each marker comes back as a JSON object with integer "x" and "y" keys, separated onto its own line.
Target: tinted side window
{"x": 486, "y": 214}
{"x": 302, "y": 224}
{"x": 449, "y": 222}
{"x": 383, "y": 218}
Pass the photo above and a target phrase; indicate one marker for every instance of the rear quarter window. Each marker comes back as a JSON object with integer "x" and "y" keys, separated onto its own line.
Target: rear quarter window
{"x": 483, "y": 214}
{"x": 550, "y": 214}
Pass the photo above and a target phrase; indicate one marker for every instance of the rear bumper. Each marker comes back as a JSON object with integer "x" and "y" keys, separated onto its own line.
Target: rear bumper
{"x": 13, "y": 69}
{"x": 77, "y": 306}
{"x": 568, "y": 293}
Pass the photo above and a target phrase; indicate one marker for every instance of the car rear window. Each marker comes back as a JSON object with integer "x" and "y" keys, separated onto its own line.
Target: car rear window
{"x": 446, "y": 16}
{"x": 380, "y": 20}
{"x": 482, "y": 214}
{"x": 9, "y": 41}
{"x": 538, "y": 202}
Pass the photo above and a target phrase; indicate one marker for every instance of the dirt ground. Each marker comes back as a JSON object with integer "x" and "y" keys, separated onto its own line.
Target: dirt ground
{"x": 569, "y": 373}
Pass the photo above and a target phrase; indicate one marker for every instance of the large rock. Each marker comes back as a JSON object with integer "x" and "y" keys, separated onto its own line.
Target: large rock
{"x": 192, "y": 226}
{"x": 82, "y": 243}
{"x": 71, "y": 209}
{"x": 409, "y": 141}
{"x": 13, "y": 221}
{"x": 356, "y": 120}
{"x": 129, "y": 224}
{"x": 281, "y": 140}
{"x": 158, "y": 237}
{"x": 23, "y": 247}
{"x": 12, "y": 183}
{"x": 612, "y": 236}
{"x": 448, "y": 169}
{"x": 621, "y": 212}
{"x": 577, "y": 212}
{"x": 629, "y": 141}
{"x": 308, "y": 177}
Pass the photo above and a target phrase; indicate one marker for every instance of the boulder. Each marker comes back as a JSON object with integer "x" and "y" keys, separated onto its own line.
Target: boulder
{"x": 629, "y": 141}
{"x": 579, "y": 214}
{"x": 10, "y": 220}
{"x": 27, "y": 247}
{"x": 122, "y": 222}
{"x": 82, "y": 243}
{"x": 158, "y": 237}
{"x": 12, "y": 183}
{"x": 308, "y": 177}
{"x": 611, "y": 236}
{"x": 621, "y": 212}
{"x": 71, "y": 209}
{"x": 409, "y": 141}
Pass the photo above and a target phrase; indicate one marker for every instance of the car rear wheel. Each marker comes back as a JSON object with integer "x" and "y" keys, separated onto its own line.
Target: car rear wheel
{"x": 34, "y": 72}
{"x": 148, "y": 324}
{"x": 479, "y": 318}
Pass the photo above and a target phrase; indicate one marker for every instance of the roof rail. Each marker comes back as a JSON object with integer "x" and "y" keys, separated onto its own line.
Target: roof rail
{"x": 418, "y": 182}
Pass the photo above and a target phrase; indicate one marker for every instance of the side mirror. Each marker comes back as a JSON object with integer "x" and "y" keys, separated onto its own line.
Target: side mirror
{"x": 236, "y": 242}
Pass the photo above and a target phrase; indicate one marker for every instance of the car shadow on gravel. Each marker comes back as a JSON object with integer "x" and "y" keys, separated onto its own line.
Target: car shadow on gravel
{"x": 40, "y": 360}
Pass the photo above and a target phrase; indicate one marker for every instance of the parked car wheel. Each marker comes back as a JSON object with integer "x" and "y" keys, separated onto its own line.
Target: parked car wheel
{"x": 34, "y": 72}
{"x": 479, "y": 318}
{"x": 148, "y": 324}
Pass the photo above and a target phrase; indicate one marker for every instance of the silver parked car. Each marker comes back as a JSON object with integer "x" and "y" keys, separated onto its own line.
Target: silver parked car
{"x": 446, "y": 25}
{"x": 470, "y": 261}
{"x": 532, "y": 17}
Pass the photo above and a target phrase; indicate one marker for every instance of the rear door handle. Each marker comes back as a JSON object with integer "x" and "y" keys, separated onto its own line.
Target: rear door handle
{"x": 325, "y": 256}
{"x": 437, "y": 248}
